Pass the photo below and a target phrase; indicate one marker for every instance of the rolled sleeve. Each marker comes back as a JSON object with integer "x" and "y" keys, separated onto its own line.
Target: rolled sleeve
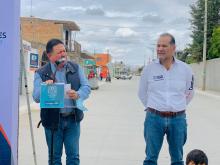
{"x": 143, "y": 85}
{"x": 37, "y": 86}
{"x": 189, "y": 86}
{"x": 84, "y": 89}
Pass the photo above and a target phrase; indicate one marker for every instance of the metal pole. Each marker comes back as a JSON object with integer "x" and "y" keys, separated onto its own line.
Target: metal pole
{"x": 204, "y": 49}
{"x": 21, "y": 80}
{"x": 23, "y": 68}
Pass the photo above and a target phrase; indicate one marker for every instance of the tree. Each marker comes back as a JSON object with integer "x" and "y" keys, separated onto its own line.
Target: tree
{"x": 197, "y": 24}
{"x": 214, "y": 51}
{"x": 181, "y": 55}
{"x": 140, "y": 69}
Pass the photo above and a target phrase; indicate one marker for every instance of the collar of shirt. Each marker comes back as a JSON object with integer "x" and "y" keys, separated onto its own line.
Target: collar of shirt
{"x": 176, "y": 61}
{"x": 54, "y": 66}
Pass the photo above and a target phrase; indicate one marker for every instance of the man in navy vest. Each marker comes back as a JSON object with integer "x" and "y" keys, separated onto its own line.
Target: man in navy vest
{"x": 63, "y": 123}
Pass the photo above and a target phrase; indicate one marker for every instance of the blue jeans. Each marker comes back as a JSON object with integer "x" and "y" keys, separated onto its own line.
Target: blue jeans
{"x": 155, "y": 127}
{"x": 68, "y": 135}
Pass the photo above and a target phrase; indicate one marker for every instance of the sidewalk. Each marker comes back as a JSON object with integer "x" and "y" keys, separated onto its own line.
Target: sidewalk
{"x": 208, "y": 93}
{"x": 23, "y": 108}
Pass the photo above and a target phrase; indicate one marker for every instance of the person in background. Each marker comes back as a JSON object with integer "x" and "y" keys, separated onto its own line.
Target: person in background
{"x": 196, "y": 157}
{"x": 101, "y": 76}
{"x": 108, "y": 78}
{"x": 91, "y": 74}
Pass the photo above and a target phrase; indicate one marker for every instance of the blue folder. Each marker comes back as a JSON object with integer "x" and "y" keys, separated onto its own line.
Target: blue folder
{"x": 52, "y": 95}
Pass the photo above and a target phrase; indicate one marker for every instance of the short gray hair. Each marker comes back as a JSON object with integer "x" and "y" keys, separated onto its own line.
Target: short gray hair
{"x": 172, "y": 41}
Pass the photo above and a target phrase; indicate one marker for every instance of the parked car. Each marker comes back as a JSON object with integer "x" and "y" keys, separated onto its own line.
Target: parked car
{"x": 126, "y": 76}
{"x": 93, "y": 82}
{"x": 117, "y": 76}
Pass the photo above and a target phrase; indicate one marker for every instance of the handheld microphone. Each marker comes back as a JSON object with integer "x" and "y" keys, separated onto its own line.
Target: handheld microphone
{"x": 61, "y": 60}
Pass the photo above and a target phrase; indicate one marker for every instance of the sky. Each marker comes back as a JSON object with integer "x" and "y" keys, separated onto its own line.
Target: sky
{"x": 128, "y": 29}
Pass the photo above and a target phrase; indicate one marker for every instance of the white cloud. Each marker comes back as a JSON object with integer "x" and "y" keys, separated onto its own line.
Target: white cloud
{"x": 106, "y": 31}
{"x": 116, "y": 51}
{"x": 95, "y": 10}
{"x": 91, "y": 10}
{"x": 119, "y": 14}
{"x": 176, "y": 32}
{"x": 152, "y": 18}
{"x": 125, "y": 32}
{"x": 180, "y": 36}
{"x": 96, "y": 35}
{"x": 85, "y": 45}
{"x": 71, "y": 8}
{"x": 179, "y": 21}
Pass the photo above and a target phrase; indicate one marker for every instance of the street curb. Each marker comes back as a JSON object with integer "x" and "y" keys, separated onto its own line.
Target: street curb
{"x": 208, "y": 93}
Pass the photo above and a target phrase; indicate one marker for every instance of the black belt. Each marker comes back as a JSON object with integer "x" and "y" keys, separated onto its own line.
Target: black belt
{"x": 165, "y": 113}
{"x": 67, "y": 114}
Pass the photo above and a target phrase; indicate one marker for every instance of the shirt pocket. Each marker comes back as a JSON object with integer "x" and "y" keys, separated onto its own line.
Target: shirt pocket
{"x": 177, "y": 85}
{"x": 156, "y": 85}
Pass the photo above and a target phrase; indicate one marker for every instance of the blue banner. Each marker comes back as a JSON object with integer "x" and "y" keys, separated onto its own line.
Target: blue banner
{"x": 9, "y": 67}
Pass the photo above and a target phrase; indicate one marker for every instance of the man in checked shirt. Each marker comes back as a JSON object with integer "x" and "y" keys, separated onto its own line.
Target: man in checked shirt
{"x": 165, "y": 89}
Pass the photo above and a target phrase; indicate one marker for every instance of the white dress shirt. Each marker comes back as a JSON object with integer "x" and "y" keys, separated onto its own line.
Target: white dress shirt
{"x": 166, "y": 90}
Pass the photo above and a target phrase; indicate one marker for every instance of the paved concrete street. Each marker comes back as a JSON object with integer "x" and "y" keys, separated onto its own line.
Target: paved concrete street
{"x": 112, "y": 130}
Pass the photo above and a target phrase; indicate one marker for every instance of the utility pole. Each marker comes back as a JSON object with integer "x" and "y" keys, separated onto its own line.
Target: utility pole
{"x": 94, "y": 52}
{"x": 204, "y": 48}
{"x": 23, "y": 69}
{"x": 108, "y": 55}
{"x": 145, "y": 59}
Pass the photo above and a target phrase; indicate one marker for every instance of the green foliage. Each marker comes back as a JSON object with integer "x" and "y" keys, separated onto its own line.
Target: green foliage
{"x": 185, "y": 56}
{"x": 197, "y": 24}
{"x": 140, "y": 69}
{"x": 190, "y": 60}
{"x": 214, "y": 51}
{"x": 181, "y": 55}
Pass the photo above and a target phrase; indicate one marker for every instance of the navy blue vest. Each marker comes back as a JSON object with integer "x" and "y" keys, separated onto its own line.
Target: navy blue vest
{"x": 50, "y": 116}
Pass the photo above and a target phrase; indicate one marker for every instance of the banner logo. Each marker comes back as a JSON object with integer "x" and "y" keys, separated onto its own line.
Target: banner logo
{"x": 3, "y": 35}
